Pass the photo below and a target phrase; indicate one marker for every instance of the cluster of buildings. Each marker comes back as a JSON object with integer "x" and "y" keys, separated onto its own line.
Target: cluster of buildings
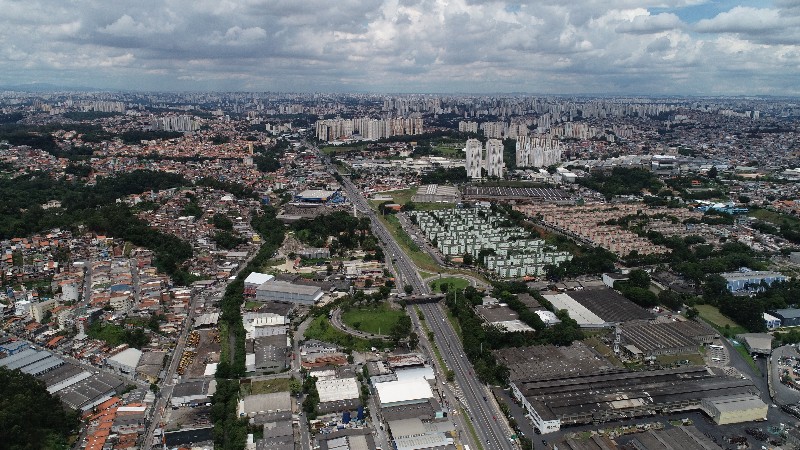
{"x": 536, "y": 151}
{"x": 366, "y": 128}
{"x": 506, "y": 250}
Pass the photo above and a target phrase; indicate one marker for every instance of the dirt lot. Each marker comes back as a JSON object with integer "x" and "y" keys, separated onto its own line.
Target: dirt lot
{"x": 207, "y": 351}
{"x": 186, "y": 417}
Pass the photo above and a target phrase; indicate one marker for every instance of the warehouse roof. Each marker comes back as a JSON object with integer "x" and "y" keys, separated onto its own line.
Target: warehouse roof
{"x": 128, "y": 357}
{"x": 258, "y": 278}
{"x": 406, "y": 391}
{"x": 737, "y": 402}
{"x": 290, "y": 288}
{"x": 789, "y": 313}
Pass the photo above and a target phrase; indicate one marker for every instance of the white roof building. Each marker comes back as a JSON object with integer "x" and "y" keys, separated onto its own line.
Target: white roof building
{"x": 410, "y": 386}
{"x": 256, "y": 278}
{"x": 125, "y": 361}
{"x": 337, "y": 389}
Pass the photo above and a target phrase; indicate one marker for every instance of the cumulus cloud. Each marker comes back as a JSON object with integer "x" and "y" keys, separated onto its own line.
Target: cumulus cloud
{"x": 647, "y": 24}
{"x": 614, "y": 46}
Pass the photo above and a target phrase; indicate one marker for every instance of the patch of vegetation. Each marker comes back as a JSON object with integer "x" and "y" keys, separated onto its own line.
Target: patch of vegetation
{"x": 622, "y": 181}
{"x": 114, "y": 335}
{"x": 321, "y": 329}
{"x": 48, "y": 428}
{"x": 378, "y": 319}
{"x": 722, "y": 323}
{"x": 453, "y": 283}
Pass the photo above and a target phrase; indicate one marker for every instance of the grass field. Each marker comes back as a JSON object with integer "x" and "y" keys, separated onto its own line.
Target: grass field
{"x": 454, "y": 282}
{"x": 774, "y": 217}
{"x": 719, "y": 321}
{"x": 265, "y": 386}
{"x": 375, "y": 320}
{"x": 322, "y": 330}
{"x": 455, "y": 150}
{"x": 400, "y": 197}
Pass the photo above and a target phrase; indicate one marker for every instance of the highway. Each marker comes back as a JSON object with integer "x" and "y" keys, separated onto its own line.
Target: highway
{"x": 488, "y": 421}
{"x": 476, "y": 398}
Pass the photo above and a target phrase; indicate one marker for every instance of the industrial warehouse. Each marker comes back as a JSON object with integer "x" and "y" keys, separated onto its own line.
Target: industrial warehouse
{"x": 623, "y": 394}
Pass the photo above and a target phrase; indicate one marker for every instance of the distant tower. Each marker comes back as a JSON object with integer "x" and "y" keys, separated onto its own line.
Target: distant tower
{"x": 250, "y": 147}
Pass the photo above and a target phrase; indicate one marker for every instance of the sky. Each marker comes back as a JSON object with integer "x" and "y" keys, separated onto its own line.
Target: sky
{"x": 607, "y": 47}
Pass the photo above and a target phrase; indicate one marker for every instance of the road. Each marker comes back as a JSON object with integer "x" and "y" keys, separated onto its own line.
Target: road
{"x": 487, "y": 419}
{"x": 168, "y": 384}
{"x": 475, "y": 397}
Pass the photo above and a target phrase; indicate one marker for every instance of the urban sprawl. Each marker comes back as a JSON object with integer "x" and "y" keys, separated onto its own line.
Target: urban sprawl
{"x": 320, "y": 271}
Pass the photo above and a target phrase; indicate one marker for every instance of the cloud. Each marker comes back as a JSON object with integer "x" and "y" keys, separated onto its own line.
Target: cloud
{"x": 647, "y": 24}
{"x": 548, "y": 46}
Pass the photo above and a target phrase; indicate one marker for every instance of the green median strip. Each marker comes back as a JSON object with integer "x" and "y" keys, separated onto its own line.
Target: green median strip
{"x": 471, "y": 428}
{"x": 433, "y": 343}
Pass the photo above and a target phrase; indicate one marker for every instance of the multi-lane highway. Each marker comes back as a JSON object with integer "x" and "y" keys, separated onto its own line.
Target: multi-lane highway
{"x": 476, "y": 399}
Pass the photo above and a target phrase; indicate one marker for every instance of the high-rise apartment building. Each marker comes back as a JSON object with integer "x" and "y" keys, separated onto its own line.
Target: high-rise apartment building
{"x": 467, "y": 127}
{"x": 474, "y": 150}
{"x": 493, "y": 162}
{"x": 494, "y": 158}
{"x": 369, "y": 129}
{"x": 534, "y": 151}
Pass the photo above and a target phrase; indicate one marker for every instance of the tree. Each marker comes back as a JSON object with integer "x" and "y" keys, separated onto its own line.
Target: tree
{"x": 401, "y": 329}
{"x": 413, "y": 341}
{"x": 222, "y": 222}
{"x": 450, "y": 375}
{"x": 467, "y": 258}
{"x": 444, "y": 287}
{"x": 712, "y": 173}
{"x": 48, "y": 428}
{"x": 408, "y": 289}
{"x": 639, "y": 278}
{"x": 692, "y": 312}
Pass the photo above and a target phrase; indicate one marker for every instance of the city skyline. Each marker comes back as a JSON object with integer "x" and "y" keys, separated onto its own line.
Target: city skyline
{"x": 625, "y": 47}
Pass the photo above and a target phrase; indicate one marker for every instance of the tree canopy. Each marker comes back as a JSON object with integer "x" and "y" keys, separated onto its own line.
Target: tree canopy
{"x": 31, "y": 417}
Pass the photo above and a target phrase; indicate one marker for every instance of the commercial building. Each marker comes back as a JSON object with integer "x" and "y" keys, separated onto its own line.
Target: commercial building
{"x": 193, "y": 392}
{"x": 337, "y": 389}
{"x": 404, "y": 387}
{"x": 265, "y": 403}
{"x": 760, "y": 343}
{"x": 282, "y": 291}
{"x": 749, "y": 281}
{"x": 735, "y": 408}
{"x": 254, "y": 280}
{"x": 789, "y": 317}
{"x": 771, "y": 321}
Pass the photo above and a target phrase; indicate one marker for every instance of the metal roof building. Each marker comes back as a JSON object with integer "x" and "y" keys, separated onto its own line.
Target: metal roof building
{"x": 282, "y": 291}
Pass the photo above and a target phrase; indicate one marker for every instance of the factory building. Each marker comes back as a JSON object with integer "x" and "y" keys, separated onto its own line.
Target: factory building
{"x": 735, "y": 409}
{"x": 282, "y": 291}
